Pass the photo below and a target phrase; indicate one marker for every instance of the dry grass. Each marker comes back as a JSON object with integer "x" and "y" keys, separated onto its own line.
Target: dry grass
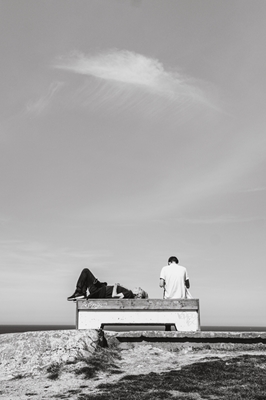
{"x": 242, "y": 377}
{"x": 145, "y": 372}
{"x": 54, "y": 371}
{"x": 104, "y": 360}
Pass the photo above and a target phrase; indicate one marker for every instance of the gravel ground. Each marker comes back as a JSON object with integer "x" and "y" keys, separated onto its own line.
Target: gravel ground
{"x": 76, "y": 378}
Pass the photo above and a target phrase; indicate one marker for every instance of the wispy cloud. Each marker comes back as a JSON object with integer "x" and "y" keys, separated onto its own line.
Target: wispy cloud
{"x": 219, "y": 219}
{"x": 253, "y": 190}
{"x": 38, "y": 106}
{"x": 127, "y": 72}
{"x": 39, "y": 259}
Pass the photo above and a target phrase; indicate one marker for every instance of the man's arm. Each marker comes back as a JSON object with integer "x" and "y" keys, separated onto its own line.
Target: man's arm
{"x": 162, "y": 283}
{"x": 115, "y": 294}
{"x": 187, "y": 283}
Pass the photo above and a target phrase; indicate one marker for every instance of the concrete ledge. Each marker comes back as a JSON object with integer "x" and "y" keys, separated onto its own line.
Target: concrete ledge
{"x": 208, "y": 335}
{"x": 196, "y": 340}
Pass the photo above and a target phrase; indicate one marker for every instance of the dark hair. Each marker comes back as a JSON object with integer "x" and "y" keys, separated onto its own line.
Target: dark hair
{"x": 173, "y": 259}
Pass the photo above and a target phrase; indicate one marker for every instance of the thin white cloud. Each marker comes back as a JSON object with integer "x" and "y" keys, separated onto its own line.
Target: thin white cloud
{"x": 38, "y": 106}
{"x": 17, "y": 256}
{"x": 219, "y": 219}
{"x": 132, "y": 71}
{"x": 253, "y": 190}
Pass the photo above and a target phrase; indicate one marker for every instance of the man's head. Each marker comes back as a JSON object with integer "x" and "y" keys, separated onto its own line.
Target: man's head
{"x": 173, "y": 259}
{"x": 139, "y": 293}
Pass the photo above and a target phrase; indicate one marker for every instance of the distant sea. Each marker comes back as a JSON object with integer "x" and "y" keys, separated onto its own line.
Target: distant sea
{"x": 31, "y": 328}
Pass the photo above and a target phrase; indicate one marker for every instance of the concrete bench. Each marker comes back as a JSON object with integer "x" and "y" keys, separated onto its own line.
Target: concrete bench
{"x": 96, "y": 313}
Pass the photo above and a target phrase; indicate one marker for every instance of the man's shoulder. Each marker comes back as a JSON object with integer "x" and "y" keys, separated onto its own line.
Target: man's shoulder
{"x": 183, "y": 268}
{"x": 163, "y": 271}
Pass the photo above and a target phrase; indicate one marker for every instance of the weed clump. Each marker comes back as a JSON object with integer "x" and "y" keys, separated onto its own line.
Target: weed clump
{"x": 54, "y": 371}
{"x": 19, "y": 376}
{"x": 104, "y": 360}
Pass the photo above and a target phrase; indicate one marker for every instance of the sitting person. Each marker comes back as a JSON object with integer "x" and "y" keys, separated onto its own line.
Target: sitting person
{"x": 89, "y": 287}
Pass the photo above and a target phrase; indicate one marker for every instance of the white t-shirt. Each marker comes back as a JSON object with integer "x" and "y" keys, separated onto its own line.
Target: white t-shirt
{"x": 174, "y": 276}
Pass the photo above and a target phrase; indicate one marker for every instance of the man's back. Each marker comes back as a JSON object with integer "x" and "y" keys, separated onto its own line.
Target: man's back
{"x": 174, "y": 277}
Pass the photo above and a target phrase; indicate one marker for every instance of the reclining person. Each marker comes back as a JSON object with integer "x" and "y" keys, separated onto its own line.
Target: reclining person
{"x": 87, "y": 283}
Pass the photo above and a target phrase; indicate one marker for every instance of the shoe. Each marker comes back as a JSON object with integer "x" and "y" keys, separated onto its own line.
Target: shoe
{"x": 76, "y": 296}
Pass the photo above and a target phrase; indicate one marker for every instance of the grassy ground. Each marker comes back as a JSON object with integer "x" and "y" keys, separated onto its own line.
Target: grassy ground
{"x": 242, "y": 377}
{"x": 146, "y": 372}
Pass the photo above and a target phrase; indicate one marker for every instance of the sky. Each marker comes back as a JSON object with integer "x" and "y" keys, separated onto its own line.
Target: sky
{"x": 132, "y": 131}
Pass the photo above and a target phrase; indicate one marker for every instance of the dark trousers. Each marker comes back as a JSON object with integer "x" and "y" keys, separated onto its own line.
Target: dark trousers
{"x": 98, "y": 289}
{"x": 85, "y": 280}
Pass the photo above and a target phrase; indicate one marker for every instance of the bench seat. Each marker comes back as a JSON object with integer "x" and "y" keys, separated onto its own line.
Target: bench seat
{"x": 96, "y": 313}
